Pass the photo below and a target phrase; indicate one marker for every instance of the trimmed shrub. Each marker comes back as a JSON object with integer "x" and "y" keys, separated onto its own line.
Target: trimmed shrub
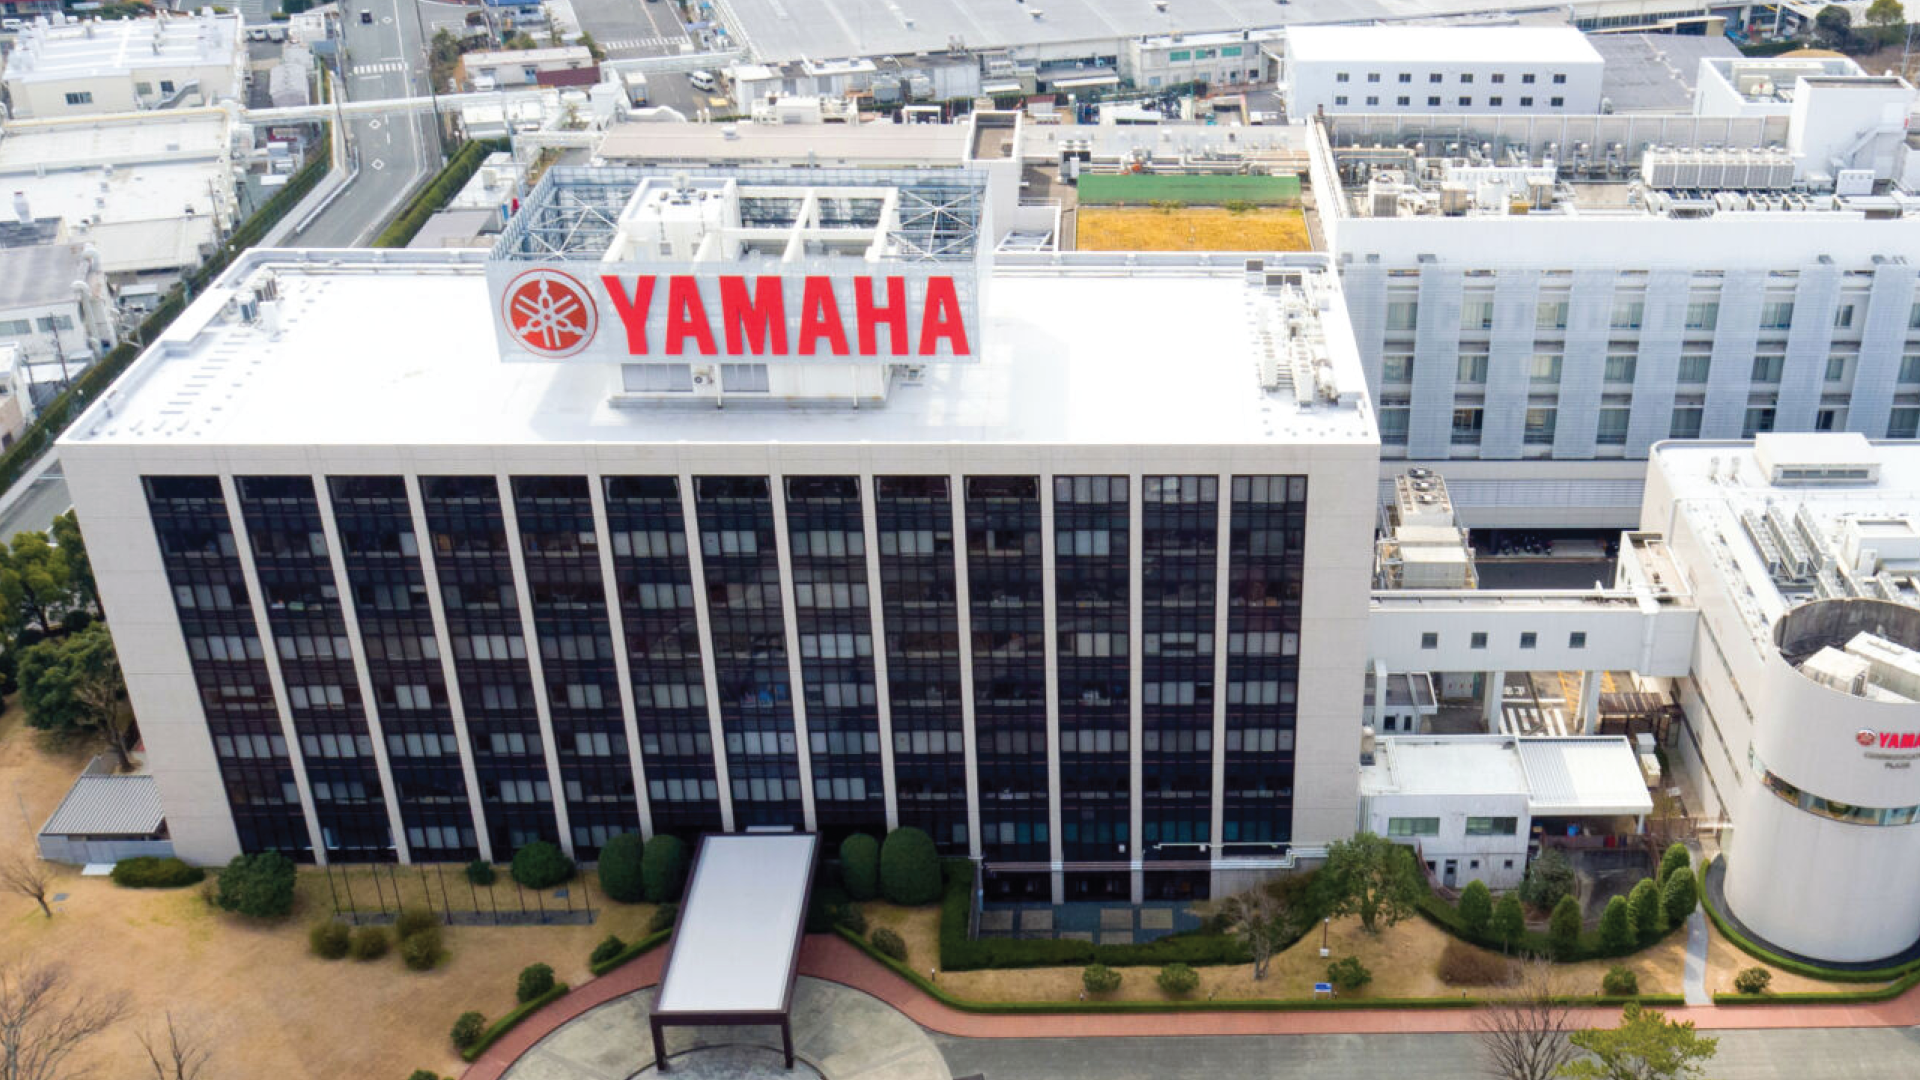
{"x": 1177, "y": 980}
{"x": 329, "y": 940}
{"x": 606, "y": 950}
{"x": 1348, "y": 974}
{"x": 468, "y": 1029}
{"x": 148, "y": 872}
{"x": 421, "y": 951}
{"x": 1678, "y": 896}
{"x": 860, "y": 866}
{"x": 535, "y": 980}
{"x": 1509, "y": 920}
{"x": 1563, "y": 928}
{"x": 1753, "y": 980}
{"x": 541, "y": 865}
{"x": 1676, "y": 857}
{"x": 480, "y": 872}
{"x": 851, "y": 917}
{"x": 620, "y": 876}
{"x": 1643, "y": 903}
{"x": 663, "y": 868}
{"x": 424, "y": 1074}
{"x": 369, "y": 943}
{"x": 1462, "y": 964}
{"x": 663, "y": 918}
{"x": 829, "y": 905}
{"x": 1616, "y": 926}
{"x": 1620, "y": 981}
{"x": 1100, "y": 979}
{"x": 258, "y": 885}
{"x": 889, "y": 944}
{"x": 1476, "y": 906}
{"x": 415, "y": 921}
{"x": 909, "y": 868}
{"x": 1548, "y": 879}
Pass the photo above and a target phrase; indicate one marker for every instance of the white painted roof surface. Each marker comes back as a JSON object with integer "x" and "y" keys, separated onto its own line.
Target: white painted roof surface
{"x": 1577, "y": 777}
{"x": 121, "y": 46}
{"x": 1534, "y": 46}
{"x": 1444, "y": 765}
{"x": 823, "y": 143}
{"x": 734, "y": 946}
{"x": 1560, "y": 777}
{"x": 406, "y": 355}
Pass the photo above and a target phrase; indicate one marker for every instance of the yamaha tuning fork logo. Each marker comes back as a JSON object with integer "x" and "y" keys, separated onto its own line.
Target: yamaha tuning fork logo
{"x": 1865, "y": 737}
{"x": 549, "y": 313}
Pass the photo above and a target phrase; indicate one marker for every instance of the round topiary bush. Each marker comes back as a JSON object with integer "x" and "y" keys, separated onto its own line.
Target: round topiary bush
{"x": 414, "y": 921}
{"x": 148, "y": 872}
{"x": 1616, "y": 926}
{"x": 1563, "y": 928}
{"x": 1177, "y": 980}
{"x": 888, "y": 943}
{"x": 468, "y": 1029}
{"x": 1100, "y": 979}
{"x": 860, "y": 866}
{"x": 663, "y": 868}
{"x": 1643, "y": 903}
{"x": 607, "y": 949}
{"x": 1676, "y": 857}
{"x": 369, "y": 943}
{"x": 258, "y": 885}
{"x": 1619, "y": 981}
{"x": 421, "y": 950}
{"x": 535, "y": 979}
{"x": 541, "y": 865}
{"x": 1753, "y": 980}
{"x": 1678, "y": 896}
{"x": 1476, "y": 906}
{"x": 480, "y": 872}
{"x": 329, "y": 940}
{"x": 620, "y": 869}
{"x": 909, "y": 867}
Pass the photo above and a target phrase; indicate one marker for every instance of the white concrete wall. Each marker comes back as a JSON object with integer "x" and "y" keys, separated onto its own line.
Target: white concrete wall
{"x": 1493, "y": 854}
{"x": 1315, "y": 85}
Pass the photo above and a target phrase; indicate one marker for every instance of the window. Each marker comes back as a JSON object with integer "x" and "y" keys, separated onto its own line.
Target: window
{"x": 1836, "y": 369}
{"x": 1621, "y": 366}
{"x": 1527, "y": 79}
{"x": 1612, "y": 430}
{"x": 1472, "y": 368}
{"x": 1476, "y": 315}
{"x": 1843, "y": 317}
{"x": 1466, "y": 427}
{"x": 1686, "y": 423}
{"x": 1703, "y": 314}
{"x": 1577, "y": 639}
{"x": 1466, "y": 76}
{"x": 1903, "y": 424}
{"x": 1498, "y": 77}
{"x": 1479, "y": 639}
{"x": 1556, "y": 102}
{"x": 1407, "y": 77}
{"x": 1340, "y": 99}
{"x": 1559, "y": 80}
{"x": 1340, "y": 77}
{"x": 1494, "y": 101}
{"x": 50, "y": 323}
{"x": 80, "y": 97}
{"x": 1766, "y": 368}
{"x": 1526, "y": 103}
{"x": 1758, "y": 421}
{"x": 1397, "y": 368}
{"x": 1909, "y": 368}
{"x": 1413, "y": 826}
{"x": 1544, "y": 369}
{"x": 1528, "y": 639}
{"x": 1776, "y": 315}
{"x": 657, "y": 378}
{"x": 1393, "y": 426}
{"x": 1913, "y": 317}
{"x": 1429, "y": 641}
{"x": 1403, "y": 100}
{"x": 1829, "y": 419}
{"x": 1402, "y": 314}
{"x": 1372, "y": 100}
{"x": 1694, "y": 367}
{"x": 1373, "y": 76}
{"x": 1180, "y": 54}
{"x": 166, "y": 86}
{"x": 1539, "y": 431}
{"x": 1434, "y": 77}
{"x": 1466, "y": 103}
{"x": 1550, "y": 315}
{"x": 1433, "y": 102}
{"x": 1492, "y": 826}
{"x": 1627, "y": 314}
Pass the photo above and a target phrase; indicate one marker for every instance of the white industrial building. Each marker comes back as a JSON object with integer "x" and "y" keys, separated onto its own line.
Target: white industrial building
{"x": 1448, "y": 70}
{"x": 73, "y": 67}
{"x": 54, "y": 303}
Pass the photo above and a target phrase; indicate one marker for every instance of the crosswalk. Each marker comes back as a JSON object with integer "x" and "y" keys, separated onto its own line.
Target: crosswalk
{"x": 643, "y": 43}
{"x": 1528, "y": 720}
{"x": 385, "y": 67}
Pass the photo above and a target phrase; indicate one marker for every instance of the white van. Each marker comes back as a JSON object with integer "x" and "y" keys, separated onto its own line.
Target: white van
{"x": 703, "y": 80}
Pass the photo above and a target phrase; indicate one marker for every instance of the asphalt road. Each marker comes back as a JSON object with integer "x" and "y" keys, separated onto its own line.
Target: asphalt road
{"x": 384, "y": 59}
{"x": 45, "y": 499}
{"x": 632, "y": 27}
{"x": 1818, "y": 1054}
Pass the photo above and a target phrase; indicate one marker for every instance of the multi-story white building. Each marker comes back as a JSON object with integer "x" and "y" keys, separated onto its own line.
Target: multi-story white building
{"x": 71, "y": 67}
{"x": 54, "y": 303}
{"x": 1448, "y": 70}
{"x": 751, "y": 498}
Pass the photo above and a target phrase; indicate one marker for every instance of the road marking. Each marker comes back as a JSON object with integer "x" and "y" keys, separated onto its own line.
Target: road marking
{"x": 385, "y": 67}
{"x": 642, "y": 42}
{"x": 374, "y": 125}
{"x": 378, "y": 165}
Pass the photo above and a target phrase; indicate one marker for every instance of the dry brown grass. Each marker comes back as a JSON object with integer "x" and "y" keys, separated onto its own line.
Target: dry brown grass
{"x": 1192, "y": 229}
{"x": 265, "y": 1005}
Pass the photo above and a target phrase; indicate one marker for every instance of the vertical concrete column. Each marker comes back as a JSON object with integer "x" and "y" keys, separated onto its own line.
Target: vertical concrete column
{"x": 1589, "y": 714}
{"x": 1496, "y": 689}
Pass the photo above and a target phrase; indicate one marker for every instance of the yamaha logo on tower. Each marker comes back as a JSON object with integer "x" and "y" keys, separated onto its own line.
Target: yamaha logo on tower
{"x": 549, "y": 313}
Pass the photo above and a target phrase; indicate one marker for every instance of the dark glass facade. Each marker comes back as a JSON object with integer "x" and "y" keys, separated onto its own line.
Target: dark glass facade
{"x": 1265, "y": 573}
{"x": 649, "y": 536}
{"x": 827, "y": 545}
{"x": 740, "y": 561}
{"x": 484, "y": 629}
{"x": 913, "y": 522}
{"x": 202, "y": 562}
{"x": 297, "y": 586}
{"x": 1091, "y": 618}
{"x": 1180, "y": 569}
{"x": 373, "y": 518}
{"x": 1006, "y": 604}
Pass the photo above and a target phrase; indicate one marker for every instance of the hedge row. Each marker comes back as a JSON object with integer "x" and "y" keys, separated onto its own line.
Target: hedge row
{"x": 934, "y": 991}
{"x": 439, "y": 192}
{"x": 1533, "y": 942}
{"x": 960, "y": 953}
{"x": 1800, "y": 967}
{"x": 1831, "y": 997}
{"x": 62, "y": 410}
{"x": 645, "y": 944}
{"x": 511, "y": 1020}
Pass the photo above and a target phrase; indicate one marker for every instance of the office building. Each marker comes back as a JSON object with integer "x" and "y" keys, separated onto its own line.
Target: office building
{"x": 72, "y": 67}
{"x": 1449, "y": 70}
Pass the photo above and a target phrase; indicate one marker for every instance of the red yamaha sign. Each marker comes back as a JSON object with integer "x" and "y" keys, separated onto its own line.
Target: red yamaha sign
{"x": 621, "y": 313}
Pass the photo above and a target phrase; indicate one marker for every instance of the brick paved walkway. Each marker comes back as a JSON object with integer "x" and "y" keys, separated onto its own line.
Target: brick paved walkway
{"x": 830, "y": 958}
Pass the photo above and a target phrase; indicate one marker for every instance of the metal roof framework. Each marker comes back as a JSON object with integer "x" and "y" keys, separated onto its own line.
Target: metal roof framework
{"x": 108, "y": 806}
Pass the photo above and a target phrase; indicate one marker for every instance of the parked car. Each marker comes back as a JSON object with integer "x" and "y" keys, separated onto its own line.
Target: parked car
{"x": 703, "y": 80}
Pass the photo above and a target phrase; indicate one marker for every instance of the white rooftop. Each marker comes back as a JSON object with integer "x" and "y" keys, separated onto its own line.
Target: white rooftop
{"x": 738, "y": 937}
{"x": 1560, "y": 777}
{"x": 354, "y": 363}
{"x": 824, "y": 144}
{"x": 95, "y": 49}
{"x": 1452, "y": 765}
{"x": 535, "y": 57}
{"x": 1536, "y": 45}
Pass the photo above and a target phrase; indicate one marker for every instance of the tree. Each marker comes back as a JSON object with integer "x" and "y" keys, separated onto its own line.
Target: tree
{"x": 259, "y": 885}
{"x": 1753, "y": 980}
{"x": 66, "y": 536}
{"x": 1524, "y": 1035}
{"x": 1646, "y": 1046}
{"x": 1348, "y": 974}
{"x": 1834, "y": 26}
{"x": 29, "y": 877}
{"x": 175, "y": 1052}
{"x": 74, "y": 684}
{"x": 1177, "y": 980}
{"x": 541, "y": 865}
{"x": 1674, "y": 858}
{"x": 1563, "y": 928}
{"x": 1372, "y": 877}
{"x": 860, "y": 866}
{"x": 663, "y": 868}
{"x": 1616, "y": 926}
{"x": 1677, "y": 900}
{"x": 599, "y": 54}
{"x": 1548, "y": 879}
{"x": 467, "y": 1029}
{"x": 1476, "y": 906}
{"x": 1266, "y": 922}
{"x": 535, "y": 980}
{"x": 1888, "y": 18}
{"x": 1509, "y": 920}
{"x": 36, "y": 584}
{"x": 1619, "y": 981}
{"x": 45, "y": 1018}
{"x": 620, "y": 869}
{"x": 909, "y": 867}
{"x": 1644, "y": 904}
{"x": 1099, "y": 979}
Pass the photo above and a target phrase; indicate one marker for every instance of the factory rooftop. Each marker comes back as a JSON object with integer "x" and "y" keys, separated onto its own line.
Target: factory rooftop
{"x": 1570, "y": 776}
{"x": 1544, "y": 45}
{"x": 90, "y": 49}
